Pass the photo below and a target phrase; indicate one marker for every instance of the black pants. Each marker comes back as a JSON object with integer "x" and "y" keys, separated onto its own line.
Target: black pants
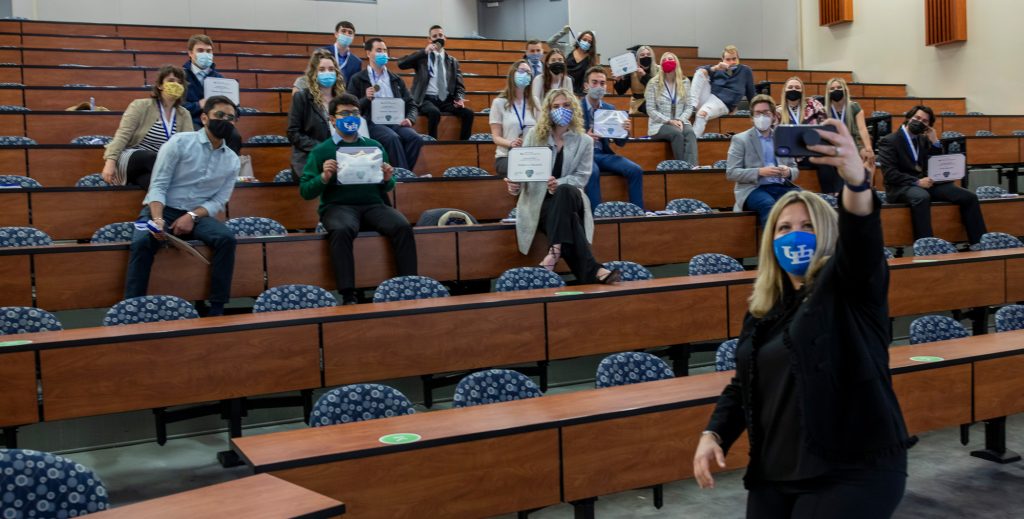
{"x": 343, "y": 223}
{"x": 561, "y": 219}
{"x": 432, "y": 107}
{"x": 234, "y": 141}
{"x": 828, "y": 176}
{"x": 920, "y": 199}
{"x": 841, "y": 494}
{"x": 140, "y": 168}
{"x": 501, "y": 166}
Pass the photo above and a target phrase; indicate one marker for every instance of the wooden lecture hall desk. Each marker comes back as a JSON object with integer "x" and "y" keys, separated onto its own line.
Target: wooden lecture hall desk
{"x": 255, "y": 497}
{"x": 520, "y": 455}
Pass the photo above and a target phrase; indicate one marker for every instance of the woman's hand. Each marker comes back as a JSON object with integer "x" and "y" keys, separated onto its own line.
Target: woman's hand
{"x": 840, "y": 151}
{"x": 552, "y": 185}
{"x": 513, "y": 187}
{"x": 517, "y": 142}
{"x": 708, "y": 452}
{"x": 108, "y": 172}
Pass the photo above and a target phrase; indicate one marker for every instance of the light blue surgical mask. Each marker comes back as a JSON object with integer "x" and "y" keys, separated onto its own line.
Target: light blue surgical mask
{"x": 344, "y": 40}
{"x": 348, "y": 125}
{"x": 381, "y": 59}
{"x": 794, "y": 251}
{"x": 523, "y": 79}
{"x": 584, "y": 45}
{"x": 327, "y": 79}
{"x": 561, "y": 116}
{"x": 204, "y": 60}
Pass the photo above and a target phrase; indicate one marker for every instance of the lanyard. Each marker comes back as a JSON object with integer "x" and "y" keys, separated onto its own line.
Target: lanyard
{"x": 168, "y": 128}
{"x": 672, "y": 96}
{"x": 521, "y": 118}
{"x": 910, "y": 144}
{"x": 375, "y": 79}
{"x": 430, "y": 63}
{"x": 337, "y": 58}
{"x": 842, "y": 116}
{"x": 793, "y": 119}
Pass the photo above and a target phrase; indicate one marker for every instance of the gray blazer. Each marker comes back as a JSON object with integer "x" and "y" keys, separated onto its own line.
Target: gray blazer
{"x": 577, "y": 161}
{"x": 745, "y": 158}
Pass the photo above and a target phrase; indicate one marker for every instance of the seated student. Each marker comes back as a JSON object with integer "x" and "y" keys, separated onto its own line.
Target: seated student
{"x": 637, "y": 81}
{"x": 438, "y": 86}
{"x": 904, "y": 158}
{"x": 666, "y": 95}
{"x": 761, "y": 177}
{"x": 199, "y": 67}
{"x": 400, "y": 141}
{"x": 535, "y": 56}
{"x": 348, "y": 63}
{"x": 579, "y": 55}
{"x": 347, "y": 209}
{"x": 604, "y": 158}
{"x": 839, "y": 105}
{"x": 308, "y": 118}
{"x": 145, "y": 126}
{"x": 557, "y": 207}
{"x": 194, "y": 175}
{"x": 513, "y": 112}
{"x": 718, "y": 89}
{"x": 552, "y": 77}
{"x": 797, "y": 108}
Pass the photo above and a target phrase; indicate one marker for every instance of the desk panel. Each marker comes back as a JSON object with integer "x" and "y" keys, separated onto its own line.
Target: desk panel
{"x": 935, "y": 398}
{"x": 14, "y": 209}
{"x": 658, "y": 241}
{"x": 18, "y": 403}
{"x": 915, "y": 291}
{"x": 15, "y": 281}
{"x": 484, "y": 199}
{"x": 486, "y": 254}
{"x": 282, "y": 203}
{"x": 614, "y": 187}
{"x": 1015, "y": 279}
{"x": 998, "y": 387}
{"x": 435, "y": 158}
{"x": 75, "y": 215}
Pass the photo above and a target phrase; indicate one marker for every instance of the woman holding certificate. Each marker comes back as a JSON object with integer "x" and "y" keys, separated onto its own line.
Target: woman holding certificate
{"x": 513, "y": 113}
{"x": 308, "y": 120}
{"x": 556, "y": 206}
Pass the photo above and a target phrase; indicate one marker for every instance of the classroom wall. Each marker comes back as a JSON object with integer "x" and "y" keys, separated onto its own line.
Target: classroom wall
{"x": 399, "y": 17}
{"x": 885, "y": 44}
{"x": 509, "y": 19}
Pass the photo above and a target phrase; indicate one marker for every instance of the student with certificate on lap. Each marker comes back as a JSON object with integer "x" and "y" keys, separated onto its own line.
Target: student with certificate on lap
{"x": 348, "y": 208}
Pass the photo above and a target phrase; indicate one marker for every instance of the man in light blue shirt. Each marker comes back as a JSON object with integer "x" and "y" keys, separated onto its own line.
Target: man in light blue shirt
{"x": 192, "y": 181}
{"x": 761, "y": 178}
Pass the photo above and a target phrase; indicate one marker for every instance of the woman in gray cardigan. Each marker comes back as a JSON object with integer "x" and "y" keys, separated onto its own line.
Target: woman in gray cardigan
{"x": 558, "y": 208}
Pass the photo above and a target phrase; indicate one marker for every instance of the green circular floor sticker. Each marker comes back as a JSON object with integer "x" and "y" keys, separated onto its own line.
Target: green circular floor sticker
{"x": 926, "y": 358}
{"x": 15, "y": 343}
{"x": 569, "y": 293}
{"x": 399, "y": 438}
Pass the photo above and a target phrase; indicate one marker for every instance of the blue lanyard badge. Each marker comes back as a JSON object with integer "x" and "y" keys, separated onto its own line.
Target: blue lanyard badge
{"x": 793, "y": 116}
{"x": 910, "y": 144}
{"x": 521, "y": 118}
{"x": 837, "y": 115}
{"x": 337, "y": 58}
{"x": 168, "y": 128}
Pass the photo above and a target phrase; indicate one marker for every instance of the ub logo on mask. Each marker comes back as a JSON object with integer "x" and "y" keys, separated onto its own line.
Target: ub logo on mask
{"x": 794, "y": 251}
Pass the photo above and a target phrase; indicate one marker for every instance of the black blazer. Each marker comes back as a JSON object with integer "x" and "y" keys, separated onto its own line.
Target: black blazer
{"x": 418, "y": 62}
{"x": 838, "y": 339}
{"x": 358, "y": 84}
{"x": 897, "y": 161}
{"x": 308, "y": 125}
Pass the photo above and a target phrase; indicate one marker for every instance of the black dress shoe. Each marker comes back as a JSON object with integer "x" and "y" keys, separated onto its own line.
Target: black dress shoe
{"x": 613, "y": 277}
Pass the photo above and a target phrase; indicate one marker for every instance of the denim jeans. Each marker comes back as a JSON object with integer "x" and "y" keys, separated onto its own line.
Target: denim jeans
{"x": 613, "y": 163}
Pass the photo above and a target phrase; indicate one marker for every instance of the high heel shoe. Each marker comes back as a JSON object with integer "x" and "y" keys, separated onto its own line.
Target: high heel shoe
{"x": 555, "y": 254}
{"x": 612, "y": 277}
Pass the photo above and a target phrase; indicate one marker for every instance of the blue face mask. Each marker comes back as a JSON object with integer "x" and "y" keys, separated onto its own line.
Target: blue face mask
{"x": 204, "y": 60}
{"x": 795, "y": 250}
{"x": 561, "y": 116}
{"x": 327, "y": 79}
{"x": 344, "y": 40}
{"x": 348, "y": 125}
{"x": 380, "y": 59}
{"x": 523, "y": 79}
{"x": 584, "y": 45}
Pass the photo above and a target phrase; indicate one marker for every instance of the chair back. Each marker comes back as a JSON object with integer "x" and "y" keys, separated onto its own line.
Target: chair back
{"x": 465, "y": 171}
{"x": 357, "y": 403}
{"x": 255, "y": 226}
{"x": 631, "y": 367}
{"x": 630, "y": 271}
{"x": 293, "y": 297}
{"x": 149, "y": 309}
{"x": 725, "y": 355}
{"x": 92, "y": 180}
{"x": 27, "y": 319}
{"x": 407, "y": 288}
{"x": 999, "y": 240}
{"x": 44, "y": 485}
{"x": 932, "y": 246}
{"x": 688, "y": 206}
{"x": 713, "y": 263}
{"x": 1010, "y": 317}
{"x": 23, "y": 237}
{"x": 617, "y": 210}
{"x": 527, "y": 278}
{"x": 114, "y": 233}
{"x": 931, "y": 328}
{"x": 492, "y": 386}
{"x": 673, "y": 165}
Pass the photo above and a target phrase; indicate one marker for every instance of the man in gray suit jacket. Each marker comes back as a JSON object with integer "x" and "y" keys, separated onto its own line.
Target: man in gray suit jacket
{"x": 761, "y": 177}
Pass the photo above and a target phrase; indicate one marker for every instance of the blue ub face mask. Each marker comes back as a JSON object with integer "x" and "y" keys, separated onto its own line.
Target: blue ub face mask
{"x": 344, "y": 40}
{"x": 523, "y": 79}
{"x": 327, "y": 79}
{"x": 584, "y": 45}
{"x": 348, "y": 125}
{"x": 561, "y": 116}
{"x": 204, "y": 60}
{"x": 380, "y": 59}
{"x": 795, "y": 250}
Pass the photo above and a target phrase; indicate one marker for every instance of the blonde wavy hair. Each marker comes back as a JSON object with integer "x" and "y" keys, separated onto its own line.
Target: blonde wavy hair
{"x": 768, "y": 286}
{"x": 544, "y": 124}
{"x": 311, "y": 70}
{"x": 681, "y": 81}
{"x": 784, "y": 107}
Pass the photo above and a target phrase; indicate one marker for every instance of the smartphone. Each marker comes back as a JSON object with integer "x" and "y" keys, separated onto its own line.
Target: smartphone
{"x": 792, "y": 140}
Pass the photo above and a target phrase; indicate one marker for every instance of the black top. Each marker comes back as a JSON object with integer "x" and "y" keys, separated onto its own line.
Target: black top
{"x": 556, "y": 168}
{"x": 358, "y": 83}
{"x": 419, "y": 62}
{"x": 576, "y": 71}
{"x": 897, "y": 161}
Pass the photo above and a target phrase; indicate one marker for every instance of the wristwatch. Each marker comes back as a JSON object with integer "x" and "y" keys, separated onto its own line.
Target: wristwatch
{"x": 193, "y": 215}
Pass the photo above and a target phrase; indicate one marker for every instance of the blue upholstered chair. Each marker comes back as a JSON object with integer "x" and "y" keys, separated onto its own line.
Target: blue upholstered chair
{"x": 720, "y": 164}
{"x": 44, "y": 485}
{"x": 357, "y": 403}
{"x": 631, "y": 367}
{"x": 673, "y": 165}
{"x": 13, "y": 109}
{"x": 931, "y": 328}
{"x": 16, "y": 140}
{"x": 19, "y": 181}
{"x": 402, "y": 174}
{"x": 405, "y": 288}
{"x": 1017, "y": 133}
{"x": 513, "y": 213}
{"x": 427, "y": 138}
{"x": 255, "y": 226}
{"x": 832, "y": 200}
{"x": 888, "y": 253}
{"x": 617, "y": 210}
{"x": 984, "y": 133}
{"x": 27, "y": 319}
{"x": 248, "y": 110}
{"x": 267, "y": 139}
{"x": 881, "y": 196}
{"x": 444, "y": 216}
{"x": 883, "y": 125}
{"x": 527, "y": 278}
{"x": 951, "y": 134}
{"x": 989, "y": 192}
{"x": 283, "y": 176}
{"x": 92, "y": 139}
{"x": 712, "y": 136}
{"x": 293, "y": 297}
{"x": 92, "y": 180}
{"x": 932, "y": 246}
{"x": 725, "y": 356}
{"x": 688, "y": 206}
{"x": 1010, "y": 317}
{"x": 999, "y": 240}
{"x": 465, "y": 171}
{"x": 320, "y": 229}
{"x": 713, "y": 263}
{"x": 975, "y": 113}
{"x": 114, "y": 233}
{"x": 492, "y": 386}
{"x": 149, "y": 309}
{"x": 629, "y": 270}
{"x": 23, "y": 237}
{"x": 481, "y": 137}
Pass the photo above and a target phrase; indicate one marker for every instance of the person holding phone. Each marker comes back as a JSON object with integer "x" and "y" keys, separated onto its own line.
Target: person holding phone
{"x": 812, "y": 387}
{"x": 345, "y": 210}
{"x": 761, "y": 177}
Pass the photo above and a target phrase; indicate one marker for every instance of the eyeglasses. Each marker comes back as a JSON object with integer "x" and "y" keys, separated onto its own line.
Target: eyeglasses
{"x": 223, "y": 116}
{"x": 347, "y": 113}
{"x": 763, "y": 112}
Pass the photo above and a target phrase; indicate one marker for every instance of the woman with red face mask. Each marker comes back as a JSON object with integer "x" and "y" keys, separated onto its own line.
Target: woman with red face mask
{"x": 665, "y": 97}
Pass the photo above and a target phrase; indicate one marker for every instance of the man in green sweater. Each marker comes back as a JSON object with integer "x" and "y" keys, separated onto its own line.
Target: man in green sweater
{"x": 345, "y": 209}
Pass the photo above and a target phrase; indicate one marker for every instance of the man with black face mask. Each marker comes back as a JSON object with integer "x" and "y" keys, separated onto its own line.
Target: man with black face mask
{"x": 438, "y": 87}
{"x": 193, "y": 178}
{"x": 904, "y": 158}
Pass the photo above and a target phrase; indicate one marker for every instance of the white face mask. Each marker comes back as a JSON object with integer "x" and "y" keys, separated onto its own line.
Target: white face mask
{"x": 762, "y": 122}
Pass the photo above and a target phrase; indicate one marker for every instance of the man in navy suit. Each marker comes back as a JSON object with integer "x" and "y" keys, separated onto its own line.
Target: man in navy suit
{"x": 604, "y": 158}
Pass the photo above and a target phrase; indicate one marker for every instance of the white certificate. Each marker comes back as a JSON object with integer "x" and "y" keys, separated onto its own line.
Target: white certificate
{"x": 360, "y": 165}
{"x": 387, "y": 110}
{"x": 624, "y": 64}
{"x": 608, "y": 123}
{"x": 221, "y": 86}
{"x": 529, "y": 164}
{"x": 945, "y": 168}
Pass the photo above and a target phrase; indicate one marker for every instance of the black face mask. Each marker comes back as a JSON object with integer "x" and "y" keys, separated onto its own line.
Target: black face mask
{"x": 645, "y": 62}
{"x": 219, "y": 128}
{"x": 439, "y": 42}
{"x": 915, "y": 127}
{"x": 793, "y": 95}
{"x": 836, "y": 95}
{"x": 557, "y": 68}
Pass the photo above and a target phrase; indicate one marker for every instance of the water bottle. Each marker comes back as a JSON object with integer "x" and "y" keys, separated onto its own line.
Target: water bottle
{"x": 92, "y": 104}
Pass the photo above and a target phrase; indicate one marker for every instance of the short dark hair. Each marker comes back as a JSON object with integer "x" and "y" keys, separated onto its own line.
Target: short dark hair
{"x": 931, "y": 114}
{"x": 432, "y": 27}
{"x": 533, "y": 42}
{"x": 368, "y": 44}
{"x": 218, "y": 100}
{"x": 343, "y": 99}
{"x": 596, "y": 69}
{"x": 199, "y": 38}
{"x": 170, "y": 70}
{"x": 345, "y": 24}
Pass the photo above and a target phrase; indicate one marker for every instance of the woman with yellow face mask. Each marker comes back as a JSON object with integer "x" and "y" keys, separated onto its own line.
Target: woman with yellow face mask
{"x": 145, "y": 126}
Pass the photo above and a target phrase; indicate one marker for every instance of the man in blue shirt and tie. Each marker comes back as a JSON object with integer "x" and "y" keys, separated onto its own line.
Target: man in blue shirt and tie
{"x": 193, "y": 177}
{"x": 604, "y": 158}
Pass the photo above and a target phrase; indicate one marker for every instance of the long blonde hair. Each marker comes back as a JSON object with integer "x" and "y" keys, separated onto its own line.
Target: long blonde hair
{"x": 681, "y": 80}
{"x": 509, "y": 92}
{"x": 828, "y": 97}
{"x": 311, "y": 70}
{"x": 768, "y": 285}
{"x": 543, "y": 128}
{"x": 784, "y": 107}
